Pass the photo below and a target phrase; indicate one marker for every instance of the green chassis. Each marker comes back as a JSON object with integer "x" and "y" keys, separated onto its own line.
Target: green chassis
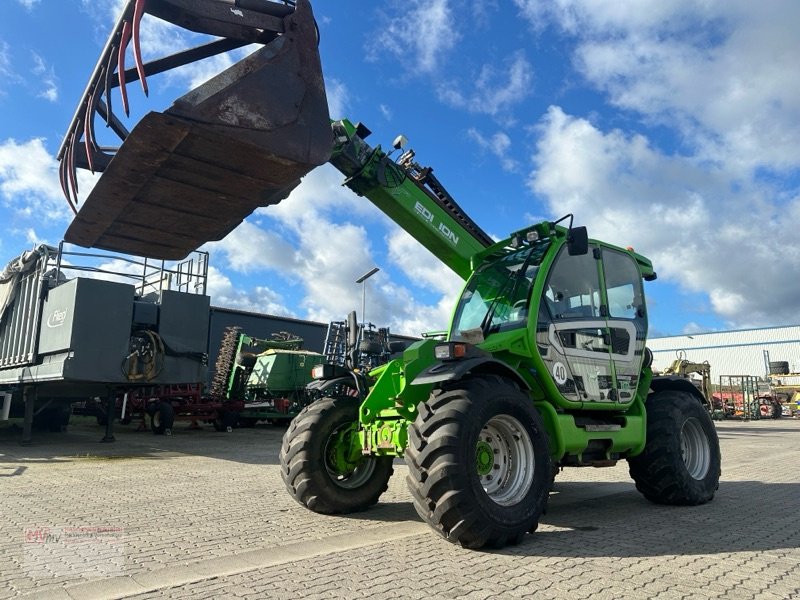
{"x": 393, "y": 398}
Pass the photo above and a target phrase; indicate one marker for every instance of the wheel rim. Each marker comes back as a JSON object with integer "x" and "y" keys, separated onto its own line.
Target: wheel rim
{"x": 344, "y": 472}
{"x": 695, "y": 450}
{"x": 505, "y": 460}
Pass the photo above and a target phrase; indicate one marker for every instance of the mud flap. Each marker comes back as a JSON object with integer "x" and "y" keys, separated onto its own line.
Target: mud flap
{"x": 240, "y": 141}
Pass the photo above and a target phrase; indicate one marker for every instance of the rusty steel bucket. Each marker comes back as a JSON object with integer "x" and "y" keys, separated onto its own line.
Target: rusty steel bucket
{"x": 192, "y": 173}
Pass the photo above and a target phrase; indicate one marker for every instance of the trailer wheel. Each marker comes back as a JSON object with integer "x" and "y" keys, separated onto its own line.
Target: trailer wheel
{"x": 479, "y": 467}
{"x": 681, "y": 461}
{"x": 162, "y": 419}
{"x": 226, "y": 421}
{"x": 317, "y": 467}
{"x": 54, "y": 419}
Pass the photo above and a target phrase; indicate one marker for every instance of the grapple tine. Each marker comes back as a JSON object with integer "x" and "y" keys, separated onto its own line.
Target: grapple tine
{"x": 138, "y": 13}
{"x": 109, "y": 74}
{"x": 71, "y": 172}
{"x": 62, "y": 179}
{"x": 88, "y": 126}
{"x": 123, "y": 46}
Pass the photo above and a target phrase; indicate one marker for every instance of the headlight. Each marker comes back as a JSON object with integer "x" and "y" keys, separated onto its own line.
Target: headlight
{"x": 450, "y": 351}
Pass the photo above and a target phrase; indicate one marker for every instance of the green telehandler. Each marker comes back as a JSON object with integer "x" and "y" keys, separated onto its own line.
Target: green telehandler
{"x": 544, "y": 364}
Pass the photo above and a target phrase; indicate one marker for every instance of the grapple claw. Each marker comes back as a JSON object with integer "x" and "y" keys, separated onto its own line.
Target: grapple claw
{"x": 125, "y": 38}
{"x": 241, "y": 140}
{"x": 138, "y": 13}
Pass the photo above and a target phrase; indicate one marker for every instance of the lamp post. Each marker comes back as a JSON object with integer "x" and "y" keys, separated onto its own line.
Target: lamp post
{"x": 363, "y": 281}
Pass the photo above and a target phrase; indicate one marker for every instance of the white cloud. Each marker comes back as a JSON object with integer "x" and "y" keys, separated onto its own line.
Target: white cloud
{"x": 29, "y": 4}
{"x": 722, "y": 73}
{"x": 249, "y": 248}
{"x": 494, "y": 91}
{"x": 420, "y": 265}
{"x": 317, "y": 240}
{"x": 5, "y": 58}
{"x": 260, "y": 299}
{"x": 338, "y": 98}
{"x": 29, "y": 181}
{"x": 7, "y": 73}
{"x": 420, "y": 34}
{"x": 47, "y": 77}
{"x": 498, "y": 144}
{"x": 699, "y": 231}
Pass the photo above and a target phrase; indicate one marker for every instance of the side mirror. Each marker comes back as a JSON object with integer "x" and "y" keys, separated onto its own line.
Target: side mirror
{"x": 578, "y": 241}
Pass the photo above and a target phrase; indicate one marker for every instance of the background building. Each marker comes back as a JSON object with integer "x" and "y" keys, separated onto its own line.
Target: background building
{"x": 741, "y": 352}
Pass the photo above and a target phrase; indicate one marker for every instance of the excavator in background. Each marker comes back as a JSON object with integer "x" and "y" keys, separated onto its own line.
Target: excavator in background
{"x": 544, "y": 364}
{"x": 682, "y": 367}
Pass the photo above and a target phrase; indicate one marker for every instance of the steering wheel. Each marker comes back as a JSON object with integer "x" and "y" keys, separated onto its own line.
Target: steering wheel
{"x": 519, "y": 310}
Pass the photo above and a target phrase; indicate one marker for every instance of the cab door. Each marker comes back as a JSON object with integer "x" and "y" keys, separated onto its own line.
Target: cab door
{"x": 626, "y": 316}
{"x": 572, "y": 330}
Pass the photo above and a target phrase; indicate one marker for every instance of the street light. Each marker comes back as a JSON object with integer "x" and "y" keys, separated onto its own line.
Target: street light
{"x": 363, "y": 281}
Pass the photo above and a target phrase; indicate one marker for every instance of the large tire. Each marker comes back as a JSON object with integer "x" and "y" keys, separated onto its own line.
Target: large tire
{"x": 680, "y": 464}
{"x": 54, "y": 419}
{"x": 162, "y": 419}
{"x": 479, "y": 466}
{"x": 309, "y": 463}
{"x": 779, "y": 367}
{"x": 777, "y": 410}
{"x": 226, "y": 421}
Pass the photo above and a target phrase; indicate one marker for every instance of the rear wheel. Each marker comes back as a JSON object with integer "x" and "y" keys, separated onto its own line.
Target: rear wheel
{"x": 681, "y": 461}
{"x": 318, "y": 464}
{"x": 479, "y": 464}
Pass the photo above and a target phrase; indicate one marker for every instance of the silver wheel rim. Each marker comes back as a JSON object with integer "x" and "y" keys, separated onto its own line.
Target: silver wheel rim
{"x": 510, "y": 476}
{"x": 353, "y": 479}
{"x": 695, "y": 450}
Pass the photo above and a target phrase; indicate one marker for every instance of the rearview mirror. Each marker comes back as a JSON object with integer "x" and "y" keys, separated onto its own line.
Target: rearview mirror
{"x": 578, "y": 241}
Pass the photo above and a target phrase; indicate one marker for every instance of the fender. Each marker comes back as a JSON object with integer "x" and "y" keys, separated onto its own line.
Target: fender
{"x": 673, "y": 382}
{"x": 452, "y": 370}
{"x": 351, "y": 381}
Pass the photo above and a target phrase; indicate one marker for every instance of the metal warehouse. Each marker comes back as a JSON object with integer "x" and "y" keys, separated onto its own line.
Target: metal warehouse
{"x": 740, "y": 352}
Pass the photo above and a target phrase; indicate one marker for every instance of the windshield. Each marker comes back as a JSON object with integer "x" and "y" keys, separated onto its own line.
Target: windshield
{"x": 498, "y": 294}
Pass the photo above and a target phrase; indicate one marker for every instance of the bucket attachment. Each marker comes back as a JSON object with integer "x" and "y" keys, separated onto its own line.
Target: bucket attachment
{"x": 239, "y": 141}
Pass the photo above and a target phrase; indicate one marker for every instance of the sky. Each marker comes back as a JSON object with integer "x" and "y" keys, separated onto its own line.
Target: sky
{"x": 672, "y": 126}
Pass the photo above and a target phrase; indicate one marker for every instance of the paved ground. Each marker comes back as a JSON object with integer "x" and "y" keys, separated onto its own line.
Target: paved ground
{"x": 204, "y": 514}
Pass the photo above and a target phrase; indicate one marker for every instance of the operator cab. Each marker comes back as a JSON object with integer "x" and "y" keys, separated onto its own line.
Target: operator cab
{"x": 591, "y": 325}
{"x": 590, "y": 320}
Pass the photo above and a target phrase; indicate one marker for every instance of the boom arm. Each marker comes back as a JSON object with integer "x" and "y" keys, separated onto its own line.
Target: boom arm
{"x": 410, "y": 195}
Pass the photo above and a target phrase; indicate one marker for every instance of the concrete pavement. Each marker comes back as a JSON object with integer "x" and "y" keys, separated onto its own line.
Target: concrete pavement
{"x": 203, "y": 514}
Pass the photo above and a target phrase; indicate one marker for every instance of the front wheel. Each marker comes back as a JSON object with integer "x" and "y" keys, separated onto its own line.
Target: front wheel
{"x": 479, "y": 466}
{"x": 681, "y": 460}
{"x": 321, "y": 462}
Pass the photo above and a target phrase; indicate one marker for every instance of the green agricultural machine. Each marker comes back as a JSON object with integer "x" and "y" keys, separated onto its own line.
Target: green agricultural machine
{"x": 544, "y": 365}
{"x": 266, "y": 378}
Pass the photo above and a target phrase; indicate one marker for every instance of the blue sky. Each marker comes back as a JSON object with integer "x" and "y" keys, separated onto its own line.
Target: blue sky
{"x": 672, "y": 126}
